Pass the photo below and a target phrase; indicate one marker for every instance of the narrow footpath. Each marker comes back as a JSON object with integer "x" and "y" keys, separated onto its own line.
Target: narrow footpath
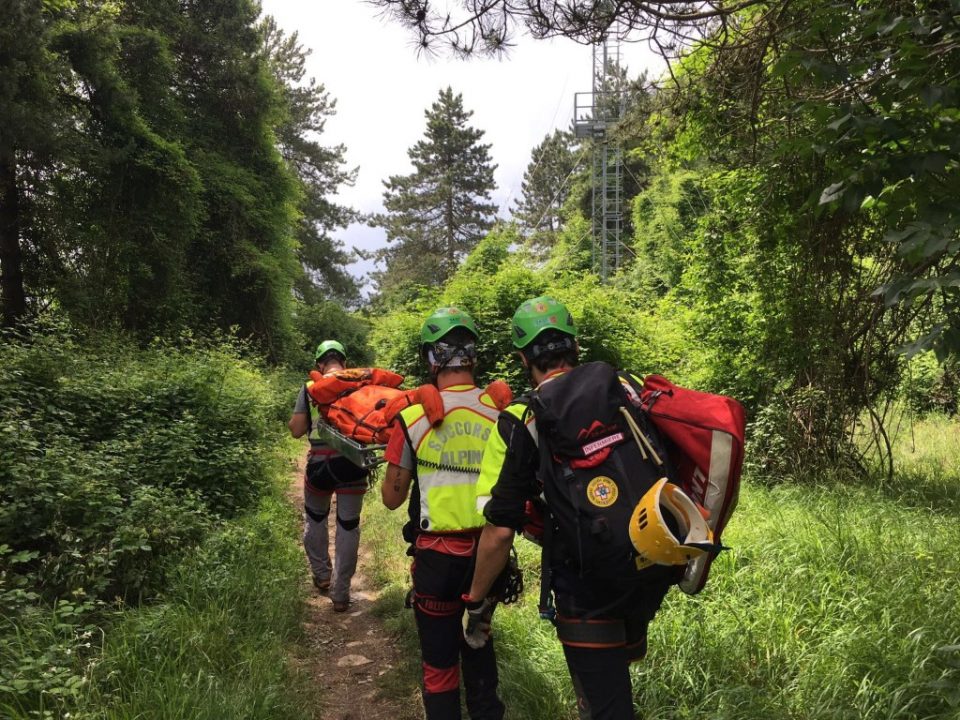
{"x": 348, "y": 654}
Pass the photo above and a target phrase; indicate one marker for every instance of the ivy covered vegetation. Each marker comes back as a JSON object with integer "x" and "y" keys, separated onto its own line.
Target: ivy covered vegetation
{"x": 168, "y": 213}
{"x": 115, "y": 461}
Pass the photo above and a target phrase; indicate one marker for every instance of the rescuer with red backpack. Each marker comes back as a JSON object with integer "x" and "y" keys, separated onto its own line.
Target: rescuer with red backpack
{"x": 581, "y": 453}
{"x": 437, "y": 463}
{"x": 329, "y": 473}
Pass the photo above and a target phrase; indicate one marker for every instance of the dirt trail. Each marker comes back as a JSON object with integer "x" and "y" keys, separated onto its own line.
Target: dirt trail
{"x": 348, "y": 654}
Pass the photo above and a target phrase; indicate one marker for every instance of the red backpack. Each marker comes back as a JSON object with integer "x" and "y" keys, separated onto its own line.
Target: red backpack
{"x": 704, "y": 435}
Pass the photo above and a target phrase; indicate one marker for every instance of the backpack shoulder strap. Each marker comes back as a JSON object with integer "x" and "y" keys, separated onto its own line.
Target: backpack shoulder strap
{"x": 307, "y": 401}
{"x": 631, "y": 381}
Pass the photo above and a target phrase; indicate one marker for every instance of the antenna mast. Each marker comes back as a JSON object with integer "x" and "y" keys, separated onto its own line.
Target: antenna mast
{"x": 594, "y": 114}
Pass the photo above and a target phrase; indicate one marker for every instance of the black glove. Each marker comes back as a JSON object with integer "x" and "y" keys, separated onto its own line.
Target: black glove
{"x": 476, "y": 620}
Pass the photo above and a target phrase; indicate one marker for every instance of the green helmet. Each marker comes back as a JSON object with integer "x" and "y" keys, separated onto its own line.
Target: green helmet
{"x": 328, "y": 345}
{"x": 443, "y": 321}
{"x": 539, "y": 314}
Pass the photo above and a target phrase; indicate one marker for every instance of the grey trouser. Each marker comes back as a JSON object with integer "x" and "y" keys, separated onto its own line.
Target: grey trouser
{"x": 316, "y": 540}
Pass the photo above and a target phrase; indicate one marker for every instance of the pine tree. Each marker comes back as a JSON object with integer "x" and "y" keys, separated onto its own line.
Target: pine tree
{"x": 438, "y": 213}
{"x": 319, "y": 169}
{"x": 546, "y": 186}
{"x": 244, "y": 255}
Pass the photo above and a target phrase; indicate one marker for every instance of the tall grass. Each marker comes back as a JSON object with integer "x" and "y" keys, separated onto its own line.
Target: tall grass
{"x": 836, "y": 602}
{"x": 927, "y": 461}
{"x": 215, "y": 646}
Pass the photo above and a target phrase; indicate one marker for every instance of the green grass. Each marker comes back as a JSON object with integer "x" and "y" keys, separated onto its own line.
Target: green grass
{"x": 218, "y": 646}
{"x": 391, "y": 572}
{"x": 215, "y": 646}
{"x": 836, "y": 602}
{"x": 927, "y": 453}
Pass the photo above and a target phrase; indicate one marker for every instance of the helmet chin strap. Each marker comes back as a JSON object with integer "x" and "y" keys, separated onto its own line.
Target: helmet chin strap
{"x": 535, "y": 350}
{"x": 442, "y": 356}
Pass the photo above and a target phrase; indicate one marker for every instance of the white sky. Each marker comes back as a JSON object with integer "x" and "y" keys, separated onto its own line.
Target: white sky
{"x": 370, "y": 66}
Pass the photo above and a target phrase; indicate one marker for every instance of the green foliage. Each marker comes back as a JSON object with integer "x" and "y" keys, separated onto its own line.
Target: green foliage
{"x": 930, "y": 386}
{"x": 328, "y": 320}
{"x": 491, "y": 284}
{"x": 888, "y": 131}
{"x": 160, "y": 169}
{"x": 573, "y": 251}
{"x": 546, "y": 187}
{"x": 219, "y": 645}
{"x": 395, "y": 339}
{"x": 663, "y": 216}
{"x": 317, "y": 168}
{"x": 114, "y": 460}
{"x": 216, "y": 646}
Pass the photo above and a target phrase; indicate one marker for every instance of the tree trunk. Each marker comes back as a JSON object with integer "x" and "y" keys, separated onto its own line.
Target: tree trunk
{"x": 451, "y": 265}
{"x": 11, "y": 272}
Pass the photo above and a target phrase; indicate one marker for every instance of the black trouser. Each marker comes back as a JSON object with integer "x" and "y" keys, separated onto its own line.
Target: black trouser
{"x": 599, "y": 667}
{"x": 439, "y": 580}
{"x": 601, "y": 680}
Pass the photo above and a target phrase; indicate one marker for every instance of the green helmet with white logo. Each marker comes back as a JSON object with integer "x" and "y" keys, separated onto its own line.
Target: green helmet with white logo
{"x": 539, "y": 315}
{"x": 328, "y": 346}
{"x": 440, "y": 352}
{"x": 443, "y": 321}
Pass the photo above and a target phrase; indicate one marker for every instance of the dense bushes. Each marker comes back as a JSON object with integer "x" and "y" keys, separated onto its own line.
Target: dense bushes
{"x": 614, "y": 325}
{"x": 112, "y": 459}
{"x": 113, "y": 462}
{"x": 321, "y": 321}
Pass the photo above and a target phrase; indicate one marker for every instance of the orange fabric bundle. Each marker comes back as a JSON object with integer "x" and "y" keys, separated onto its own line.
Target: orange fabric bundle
{"x": 362, "y": 403}
{"x": 354, "y": 401}
{"x": 361, "y": 415}
{"x": 500, "y": 393}
{"x": 325, "y": 389}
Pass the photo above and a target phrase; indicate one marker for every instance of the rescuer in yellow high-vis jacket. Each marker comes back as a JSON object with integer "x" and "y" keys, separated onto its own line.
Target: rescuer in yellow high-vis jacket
{"x": 438, "y": 466}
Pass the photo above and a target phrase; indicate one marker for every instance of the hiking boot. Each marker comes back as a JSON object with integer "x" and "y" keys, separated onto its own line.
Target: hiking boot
{"x": 323, "y": 586}
{"x": 340, "y": 606}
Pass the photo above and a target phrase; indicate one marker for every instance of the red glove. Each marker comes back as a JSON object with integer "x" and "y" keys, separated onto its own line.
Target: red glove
{"x": 533, "y": 522}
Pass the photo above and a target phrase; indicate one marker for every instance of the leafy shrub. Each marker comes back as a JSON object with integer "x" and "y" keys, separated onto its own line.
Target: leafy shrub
{"x": 613, "y": 325}
{"x": 930, "y": 386}
{"x": 113, "y": 459}
{"x": 800, "y": 435}
{"x": 323, "y": 321}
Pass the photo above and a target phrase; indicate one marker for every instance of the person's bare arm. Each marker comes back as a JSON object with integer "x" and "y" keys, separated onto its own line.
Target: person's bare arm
{"x": 492, "y": 556}
{"x": 395, "y": 486}
{"x": 299, "y": 425}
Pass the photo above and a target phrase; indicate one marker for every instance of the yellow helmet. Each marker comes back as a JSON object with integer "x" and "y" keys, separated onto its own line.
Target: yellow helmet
{"x": 651, "y": 534}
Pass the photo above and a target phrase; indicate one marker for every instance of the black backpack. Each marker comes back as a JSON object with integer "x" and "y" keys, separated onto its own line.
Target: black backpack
{"x": 599, "y": 454}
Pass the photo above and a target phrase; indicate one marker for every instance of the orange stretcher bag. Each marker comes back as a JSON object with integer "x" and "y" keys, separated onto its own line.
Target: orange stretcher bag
{"x": 362, "y": 403}
{"x": 354, "y": 401}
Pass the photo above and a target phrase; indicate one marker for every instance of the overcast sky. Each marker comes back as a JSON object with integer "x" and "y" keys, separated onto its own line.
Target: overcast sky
{"x": 370, "y": 66}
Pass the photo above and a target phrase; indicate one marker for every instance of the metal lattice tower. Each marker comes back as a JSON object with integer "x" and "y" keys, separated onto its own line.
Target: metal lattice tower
{"x": 594, "y": 114}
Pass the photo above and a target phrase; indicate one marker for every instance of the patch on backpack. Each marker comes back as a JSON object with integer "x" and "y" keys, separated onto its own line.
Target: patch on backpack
{"x": 597, "y": 445}
{"x": 602, "y": 491}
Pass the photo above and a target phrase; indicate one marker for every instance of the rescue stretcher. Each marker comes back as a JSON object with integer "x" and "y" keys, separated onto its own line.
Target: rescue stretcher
{"x": 360, "y": 454}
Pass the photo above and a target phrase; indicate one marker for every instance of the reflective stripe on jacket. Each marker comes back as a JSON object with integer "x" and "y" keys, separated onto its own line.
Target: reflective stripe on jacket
{"x": 448, "y": 458}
